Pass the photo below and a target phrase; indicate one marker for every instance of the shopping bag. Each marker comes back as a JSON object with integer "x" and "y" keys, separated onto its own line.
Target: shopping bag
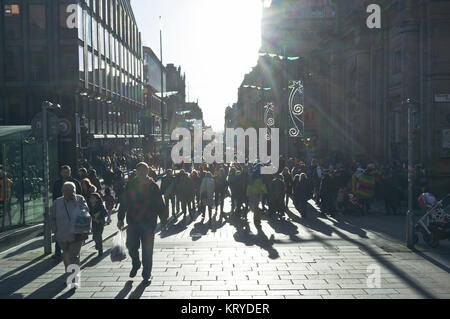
{"x": 82, "y": 224}
{"x": 118, "y": 251}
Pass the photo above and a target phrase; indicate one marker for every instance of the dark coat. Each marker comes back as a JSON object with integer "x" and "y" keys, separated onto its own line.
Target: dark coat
{"x": 168, "y": 184}
{"x": 142, "y": 203}
{"x": 98, "y": 213}
{"x": 57, "y": 187}
{"x": 303, "y": 190}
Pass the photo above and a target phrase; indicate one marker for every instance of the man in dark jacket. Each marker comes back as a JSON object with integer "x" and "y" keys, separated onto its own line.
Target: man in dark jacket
{"x": 277, "y": 196}
{"x": 168, "y": 190}
{"x": 303, "y": 193}
{"x": 65, "y": 173}
{"x": 142, "y": 203}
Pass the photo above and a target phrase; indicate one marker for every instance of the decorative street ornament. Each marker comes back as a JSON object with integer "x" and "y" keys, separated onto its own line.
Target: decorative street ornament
{"x": 269, "y": 120}
{"x": 296, "y": 111}
{"x": 281, "y": 57}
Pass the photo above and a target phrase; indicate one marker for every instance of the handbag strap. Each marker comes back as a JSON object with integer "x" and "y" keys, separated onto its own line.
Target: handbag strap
{"x": 67, "y": 211}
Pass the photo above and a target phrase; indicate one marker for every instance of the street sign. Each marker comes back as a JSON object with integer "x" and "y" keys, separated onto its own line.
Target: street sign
{"x": 65, "y": 127}
{"x": 53, "y": 126}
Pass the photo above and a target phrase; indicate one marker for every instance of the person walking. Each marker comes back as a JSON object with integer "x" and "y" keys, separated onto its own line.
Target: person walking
{"x": 276, "y": 196}
{"x": 64, "y": 211}
{"x": 142, "y": 204}
{"x": 207, "y": 189}
{"x": 98, "y": 212}
{"x": 110, "y": 203}
{"x": 303, "y": 193}
{"x": 232, "y": 182}
{"x": 87, "y": 189}
{"x": 65, "y": 176}
{"x": 255, "y": 189}
{"x": 220, "y": 189}
{"x": 185, "y": 192}
{"x": 197, "y": 181}
{"x": 94, "y": 179}
{"x": 287, "y": 177}
{"x": 168, "y": 187}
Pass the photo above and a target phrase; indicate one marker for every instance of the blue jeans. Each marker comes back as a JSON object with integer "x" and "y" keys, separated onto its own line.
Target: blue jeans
{"x": 145, "y": 234}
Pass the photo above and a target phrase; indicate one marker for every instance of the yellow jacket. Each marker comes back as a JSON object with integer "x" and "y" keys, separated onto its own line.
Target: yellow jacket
{"x": 256, "y": 188}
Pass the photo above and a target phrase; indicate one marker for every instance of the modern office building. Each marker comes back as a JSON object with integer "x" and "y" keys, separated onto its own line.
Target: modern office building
{"x": 155, "y": 106}
{"x": 85, "y": 55}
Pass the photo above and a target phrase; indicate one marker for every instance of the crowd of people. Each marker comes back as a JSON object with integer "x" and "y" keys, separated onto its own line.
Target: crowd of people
{"x": 337, "y": 188}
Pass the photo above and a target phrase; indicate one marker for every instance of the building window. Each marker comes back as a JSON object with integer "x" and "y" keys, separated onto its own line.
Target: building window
{"x": 13, "y": 64}
{"x": 108, "y": 77}
{"x": 107, "y": 44}
{"x": 96, "y": 80}
{"x": 38, "y": 21}
{"x": 13, "y": 22}
{"x": 94, "y": 34}
{"x": 80, "y": 23}
{"x": 89, "y": 30}
{"x": 90, "y": 69}
{"x": 81, "y": 62}
{"x": 397, "y": 62}
{"x": 101, "y": 42}
{"x": 39, "y": 65}
{"x": 103, "y": 73}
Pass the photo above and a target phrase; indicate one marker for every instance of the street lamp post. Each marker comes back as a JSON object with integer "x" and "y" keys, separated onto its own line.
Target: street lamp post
{"x": 47, "y": 228}
{"x": 410, "y": 214}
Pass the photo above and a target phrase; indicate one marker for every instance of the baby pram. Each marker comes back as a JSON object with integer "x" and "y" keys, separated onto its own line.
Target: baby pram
{"x": 435, "y": 224}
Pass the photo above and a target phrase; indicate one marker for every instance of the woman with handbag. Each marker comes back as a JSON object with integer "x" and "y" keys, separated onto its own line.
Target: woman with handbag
{"x": 71, "y": 223}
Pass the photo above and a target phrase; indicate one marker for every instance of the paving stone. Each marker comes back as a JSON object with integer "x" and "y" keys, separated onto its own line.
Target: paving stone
{"x": 381, "y": 291}
{"x": 286, "y": 287}
{"x": 347, "y": 291}
{"x": 283, "y": 292}
{"x": 248, "y": 293}
{"x": 208, "y": 294}
{"x": 338, "y": 297}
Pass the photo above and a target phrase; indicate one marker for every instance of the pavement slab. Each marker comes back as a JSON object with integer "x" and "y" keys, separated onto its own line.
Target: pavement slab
{"x": 343, "y": 258}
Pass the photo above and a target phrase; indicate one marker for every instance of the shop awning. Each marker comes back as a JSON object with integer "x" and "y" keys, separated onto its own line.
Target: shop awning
{"x": 8, "y": 130}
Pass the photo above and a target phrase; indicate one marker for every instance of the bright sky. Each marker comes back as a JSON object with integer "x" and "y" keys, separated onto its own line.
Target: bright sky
{"x": 215, "y": 42}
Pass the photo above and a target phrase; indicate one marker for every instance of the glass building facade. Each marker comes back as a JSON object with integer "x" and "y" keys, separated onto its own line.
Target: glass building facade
{"x": 85, "y": 55}
{"x": 21, "y": 183}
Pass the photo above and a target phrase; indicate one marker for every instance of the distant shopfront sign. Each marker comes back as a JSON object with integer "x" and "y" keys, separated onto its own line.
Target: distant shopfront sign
{"x": 442, "y": 98}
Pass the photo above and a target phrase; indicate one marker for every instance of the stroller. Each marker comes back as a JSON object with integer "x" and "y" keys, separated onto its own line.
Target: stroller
{"x": 348, "y": 203}
{"x": 435, "y": 224}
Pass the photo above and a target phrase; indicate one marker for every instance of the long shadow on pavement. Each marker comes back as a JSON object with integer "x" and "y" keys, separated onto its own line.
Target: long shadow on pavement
{"x": 319, "y": 225}
{"x": 243, "y": 235}
{"x": 31, "y": 246}
{"x": 16, "y": 270}
{"x": 125, "y": 290}
{"x": 16, "y": 282}
{"x": 137, "y": 293}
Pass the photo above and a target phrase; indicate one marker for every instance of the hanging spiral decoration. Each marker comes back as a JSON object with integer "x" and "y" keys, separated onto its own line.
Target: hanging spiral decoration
{"x": 296, "y": 111}
{"x": 269, "y": 120}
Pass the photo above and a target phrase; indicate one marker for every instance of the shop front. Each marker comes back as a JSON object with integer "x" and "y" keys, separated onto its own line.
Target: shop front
{"x": 21, "y": 177}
